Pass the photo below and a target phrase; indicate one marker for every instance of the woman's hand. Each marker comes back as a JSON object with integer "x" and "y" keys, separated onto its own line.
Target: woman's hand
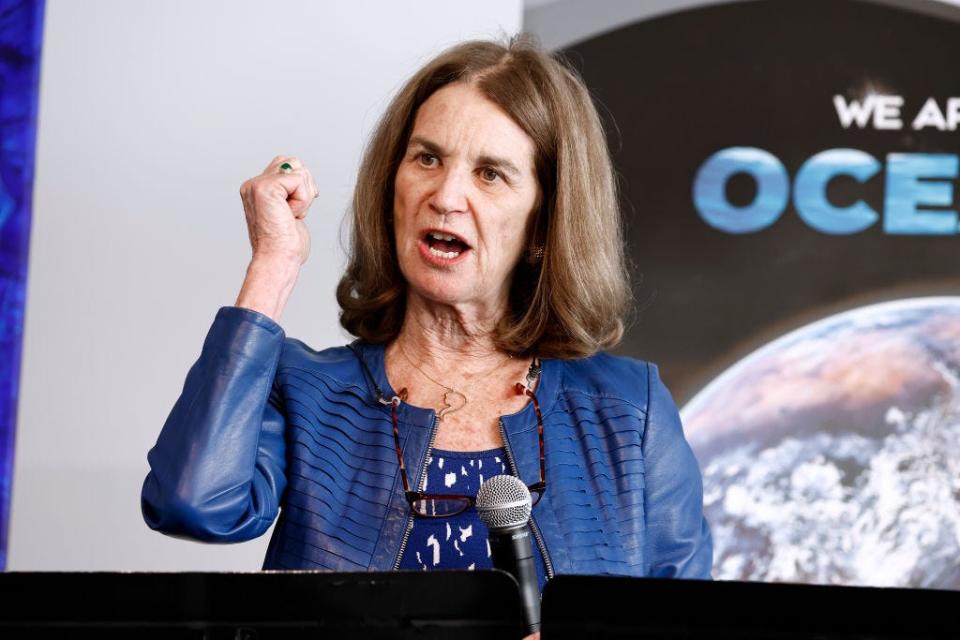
{"x": 275, "y": 205}
{"x": 533, "y": 636}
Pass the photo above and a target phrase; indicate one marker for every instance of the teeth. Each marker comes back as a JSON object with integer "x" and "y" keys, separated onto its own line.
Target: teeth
{"x": 441, "y": 236}
{"x": 449, "y": 255}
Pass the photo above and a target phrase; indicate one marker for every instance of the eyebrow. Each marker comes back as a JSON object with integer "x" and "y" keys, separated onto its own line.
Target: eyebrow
{"x": 493, "y": 161}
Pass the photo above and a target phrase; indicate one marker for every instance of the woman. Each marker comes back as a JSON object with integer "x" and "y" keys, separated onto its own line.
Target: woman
{"x": 486, "y": 252}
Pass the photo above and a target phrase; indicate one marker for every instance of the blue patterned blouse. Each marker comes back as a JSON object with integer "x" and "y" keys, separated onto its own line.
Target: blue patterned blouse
{"x": 458, "y": 542}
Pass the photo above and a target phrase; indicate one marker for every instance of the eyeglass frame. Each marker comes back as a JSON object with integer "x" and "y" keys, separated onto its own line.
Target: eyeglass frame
{"x": 538, "y": 488}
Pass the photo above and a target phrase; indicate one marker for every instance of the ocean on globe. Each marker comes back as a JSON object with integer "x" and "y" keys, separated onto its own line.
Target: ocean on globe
{"x": 832, "y": 454}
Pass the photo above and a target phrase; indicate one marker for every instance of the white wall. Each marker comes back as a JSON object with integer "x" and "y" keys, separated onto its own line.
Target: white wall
{"x": 151, "y": 115}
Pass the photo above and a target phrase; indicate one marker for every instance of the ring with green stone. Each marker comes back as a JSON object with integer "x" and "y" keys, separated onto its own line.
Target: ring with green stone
{"x": 286, "y": 167}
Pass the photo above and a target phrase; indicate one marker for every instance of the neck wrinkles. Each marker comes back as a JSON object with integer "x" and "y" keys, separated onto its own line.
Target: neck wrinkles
{"x": 435, "y": 335}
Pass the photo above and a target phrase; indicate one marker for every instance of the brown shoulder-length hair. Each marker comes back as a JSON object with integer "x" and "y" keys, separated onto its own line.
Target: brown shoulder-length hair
{"x": 571, "y": 301}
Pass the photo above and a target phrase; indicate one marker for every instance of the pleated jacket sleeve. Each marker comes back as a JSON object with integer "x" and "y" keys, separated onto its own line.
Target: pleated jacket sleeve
{"x": 217, "y": 469}
{"x": 680, "y": 543}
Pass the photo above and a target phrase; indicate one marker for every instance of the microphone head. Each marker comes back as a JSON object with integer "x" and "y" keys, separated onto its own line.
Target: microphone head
{"x": 503, "y": 502}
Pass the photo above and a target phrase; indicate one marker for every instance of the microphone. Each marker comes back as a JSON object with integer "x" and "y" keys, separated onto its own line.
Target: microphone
{"x": 503, "y": 504}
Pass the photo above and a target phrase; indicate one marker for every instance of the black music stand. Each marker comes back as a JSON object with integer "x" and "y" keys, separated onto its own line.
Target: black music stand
{"x": 653, "y": 609}
{"x": 247, "y": 606}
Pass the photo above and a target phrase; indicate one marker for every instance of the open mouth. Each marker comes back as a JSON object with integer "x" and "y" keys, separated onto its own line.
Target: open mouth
{"x": 445, "y": 245}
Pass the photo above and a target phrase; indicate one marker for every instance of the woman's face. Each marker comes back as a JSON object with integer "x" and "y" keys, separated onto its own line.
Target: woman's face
{"x": 464, "y": 199}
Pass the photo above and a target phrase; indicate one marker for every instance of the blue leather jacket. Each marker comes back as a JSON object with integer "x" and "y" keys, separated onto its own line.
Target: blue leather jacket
{"x": 266, "y": 425}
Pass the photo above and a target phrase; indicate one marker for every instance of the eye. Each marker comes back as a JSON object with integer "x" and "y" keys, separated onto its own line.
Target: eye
{"x": 426, "y": 159}
{"x": 490, "y": 174}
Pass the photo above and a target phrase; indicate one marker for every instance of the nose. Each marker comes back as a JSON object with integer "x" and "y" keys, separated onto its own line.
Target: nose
{"x": 450, "y": 195}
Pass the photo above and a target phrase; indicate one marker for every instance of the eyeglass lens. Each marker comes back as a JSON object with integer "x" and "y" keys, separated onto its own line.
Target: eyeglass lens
{"x": 439, "y": 507}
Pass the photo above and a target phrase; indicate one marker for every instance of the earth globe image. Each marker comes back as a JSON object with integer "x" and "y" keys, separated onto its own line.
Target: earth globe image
{"x": 832, "y": 454}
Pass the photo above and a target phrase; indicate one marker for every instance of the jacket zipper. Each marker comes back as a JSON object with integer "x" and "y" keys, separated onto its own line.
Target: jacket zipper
{"x": 548, "y": 565}
{"x": 423, "y": 477}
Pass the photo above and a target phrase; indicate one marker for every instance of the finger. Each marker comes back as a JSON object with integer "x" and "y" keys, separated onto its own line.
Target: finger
{"x": 287, "y": 186}
{"x": 312, "y": 183}
{"x": 299, "y": 194}
{"x": 274, "y": 166}
{"x": 301, "y": 199}
{"x": 308, "y": 183}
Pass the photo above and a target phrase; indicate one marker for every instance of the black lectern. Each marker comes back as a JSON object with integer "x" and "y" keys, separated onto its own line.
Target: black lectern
{"x": 605, "y": 607}
{"x": 457, "y": 605}
{"x": 248, "y": 606}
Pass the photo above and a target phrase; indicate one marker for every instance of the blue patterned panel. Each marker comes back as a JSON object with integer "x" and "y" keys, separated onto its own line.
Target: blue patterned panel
{"x": 21, "y": 27}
